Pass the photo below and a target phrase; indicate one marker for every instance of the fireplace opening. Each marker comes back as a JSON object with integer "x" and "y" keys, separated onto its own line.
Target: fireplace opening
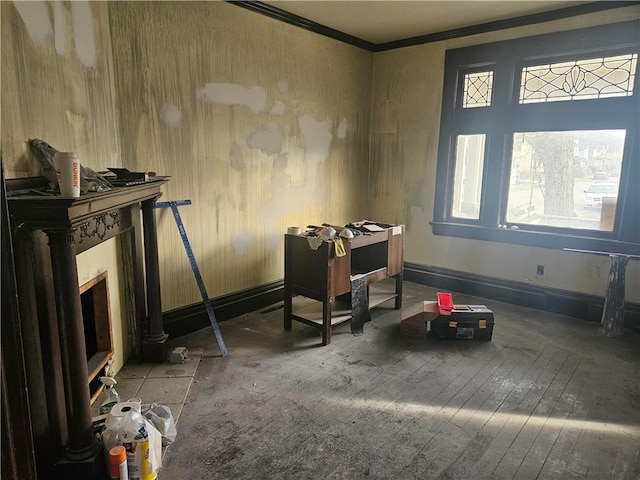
{"x": 98, "y": 339}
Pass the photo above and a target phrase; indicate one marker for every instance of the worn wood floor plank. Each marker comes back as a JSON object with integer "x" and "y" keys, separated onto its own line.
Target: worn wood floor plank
{"x": 486, "y": 386}
{"x": 523, "y": 442}
{"x": 610, "y": 436}
{"x": 479, "y": 410}
{"x": 510, "y": 421}
{"x": 554, "y": 423}
{"x": 493, "y": 413}
{"x": 556, "y": 463}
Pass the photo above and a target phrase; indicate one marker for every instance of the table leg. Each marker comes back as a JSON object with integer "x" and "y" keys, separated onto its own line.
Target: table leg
{"x": 398, "y": 304}
{"x": 327, "y": 308}
{"x": 288, "y": 303}
{"x": 613, "y": 313}
{"x": 359, "y": 304}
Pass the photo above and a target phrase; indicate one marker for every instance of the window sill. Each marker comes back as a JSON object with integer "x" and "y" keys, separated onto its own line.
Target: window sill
{"x": 530, "y": 238}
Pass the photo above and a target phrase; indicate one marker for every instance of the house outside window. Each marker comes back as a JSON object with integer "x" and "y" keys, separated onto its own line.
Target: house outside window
{"x": 539, "y": 141}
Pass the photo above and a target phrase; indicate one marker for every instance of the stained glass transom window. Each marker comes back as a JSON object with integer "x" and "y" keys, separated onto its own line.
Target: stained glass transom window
{"x": 579, "y": 80}
{"x": 477, "y": 89}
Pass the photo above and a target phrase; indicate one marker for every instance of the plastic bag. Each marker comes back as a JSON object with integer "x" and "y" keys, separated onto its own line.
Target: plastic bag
{"x": 161, "y": 418}
{"x": 90, "y": 181}
{"x": 140, "y": 439}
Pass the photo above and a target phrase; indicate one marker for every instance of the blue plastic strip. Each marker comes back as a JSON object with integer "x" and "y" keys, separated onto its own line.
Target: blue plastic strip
{"x": 196, "y": 272}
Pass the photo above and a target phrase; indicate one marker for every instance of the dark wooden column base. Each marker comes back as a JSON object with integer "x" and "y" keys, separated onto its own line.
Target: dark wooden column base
{"x": 92, "y": 467}
{"x": 154, "y": 344}
{"x": 155, "y": 349}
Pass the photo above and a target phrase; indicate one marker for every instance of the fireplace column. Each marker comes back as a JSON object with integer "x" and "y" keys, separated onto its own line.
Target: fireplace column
{"x": 83, "y": 448}
{"x": 154, "y": 343}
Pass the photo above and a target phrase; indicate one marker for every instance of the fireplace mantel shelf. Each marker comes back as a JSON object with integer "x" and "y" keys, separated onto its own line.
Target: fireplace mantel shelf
{"x": 42, "y": 211}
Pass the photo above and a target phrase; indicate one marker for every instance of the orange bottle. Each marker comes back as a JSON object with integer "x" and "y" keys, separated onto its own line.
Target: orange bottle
{"x": 118, "y": 463}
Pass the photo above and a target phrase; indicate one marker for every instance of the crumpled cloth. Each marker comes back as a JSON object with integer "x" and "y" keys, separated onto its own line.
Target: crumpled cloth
{"x": 314, "y": 242}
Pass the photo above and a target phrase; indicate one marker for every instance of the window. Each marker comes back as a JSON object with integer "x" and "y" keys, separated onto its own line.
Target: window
{"x": 539, "y": 141}
{"x": 552, "y": 183}
{"x": 467, "y": 178}
{"x": 581, "y": 79}
{"x": 477, "y": 89}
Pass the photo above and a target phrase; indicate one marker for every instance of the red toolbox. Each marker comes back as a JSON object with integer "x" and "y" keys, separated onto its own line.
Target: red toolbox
{"x": 466, "y": 322}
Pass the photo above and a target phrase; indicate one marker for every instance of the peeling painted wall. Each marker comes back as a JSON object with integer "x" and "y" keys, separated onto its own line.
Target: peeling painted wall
{"x": 260, "y": 124}
{"x": 57, "y": 83}
{"x": 407, "y": 101}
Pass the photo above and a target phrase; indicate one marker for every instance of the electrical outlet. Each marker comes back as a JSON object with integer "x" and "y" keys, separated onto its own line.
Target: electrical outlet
{"x": 540, "y": 270}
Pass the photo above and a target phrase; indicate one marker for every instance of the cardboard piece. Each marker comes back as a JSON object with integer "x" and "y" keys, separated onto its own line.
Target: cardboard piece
{"x": 372, "y": 227}
{"x": 415, "y": 319}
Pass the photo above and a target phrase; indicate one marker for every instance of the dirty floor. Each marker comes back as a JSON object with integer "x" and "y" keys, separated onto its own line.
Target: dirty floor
{"x": 547, "y": 398}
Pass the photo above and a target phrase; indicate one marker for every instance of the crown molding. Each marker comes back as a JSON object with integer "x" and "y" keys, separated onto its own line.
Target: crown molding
{"x": 284, "y": 16}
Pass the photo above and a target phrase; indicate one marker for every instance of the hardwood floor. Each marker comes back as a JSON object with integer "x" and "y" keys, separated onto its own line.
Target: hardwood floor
{"x": 547, "y": 398}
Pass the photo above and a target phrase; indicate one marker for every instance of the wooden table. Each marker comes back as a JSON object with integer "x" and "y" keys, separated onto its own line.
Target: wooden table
{"x": 323, "y": 276}
{"x": 613, "y": 312}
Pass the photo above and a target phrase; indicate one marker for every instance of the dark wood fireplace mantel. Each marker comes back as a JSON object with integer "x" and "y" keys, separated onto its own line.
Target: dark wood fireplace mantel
{"x": 48, "y": 233}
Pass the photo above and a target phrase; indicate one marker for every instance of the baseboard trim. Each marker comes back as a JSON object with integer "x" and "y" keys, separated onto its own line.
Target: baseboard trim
{"x": 574, "y": 304}
{"x": 191, "y": 318}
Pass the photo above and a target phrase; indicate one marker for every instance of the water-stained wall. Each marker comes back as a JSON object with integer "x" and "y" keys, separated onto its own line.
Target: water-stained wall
{"x": 260, "y": 124}
{"x": 408, "y": 86}
{"x": 57, "y": 83}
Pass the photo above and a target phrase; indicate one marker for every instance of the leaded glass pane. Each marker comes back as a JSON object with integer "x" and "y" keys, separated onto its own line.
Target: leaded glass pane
{"x": 579, "y": 80}
{"x": 477, "y": 89}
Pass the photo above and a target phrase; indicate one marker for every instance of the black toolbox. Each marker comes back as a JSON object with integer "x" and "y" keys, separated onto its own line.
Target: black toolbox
{"x": 466, "y": 322}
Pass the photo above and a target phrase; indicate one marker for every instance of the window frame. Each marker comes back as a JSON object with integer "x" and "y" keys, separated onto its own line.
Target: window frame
{"x": 506, "y": 115}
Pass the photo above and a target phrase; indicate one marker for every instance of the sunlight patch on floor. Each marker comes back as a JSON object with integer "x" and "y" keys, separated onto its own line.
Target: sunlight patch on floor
{"x": 446, "y": 413}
